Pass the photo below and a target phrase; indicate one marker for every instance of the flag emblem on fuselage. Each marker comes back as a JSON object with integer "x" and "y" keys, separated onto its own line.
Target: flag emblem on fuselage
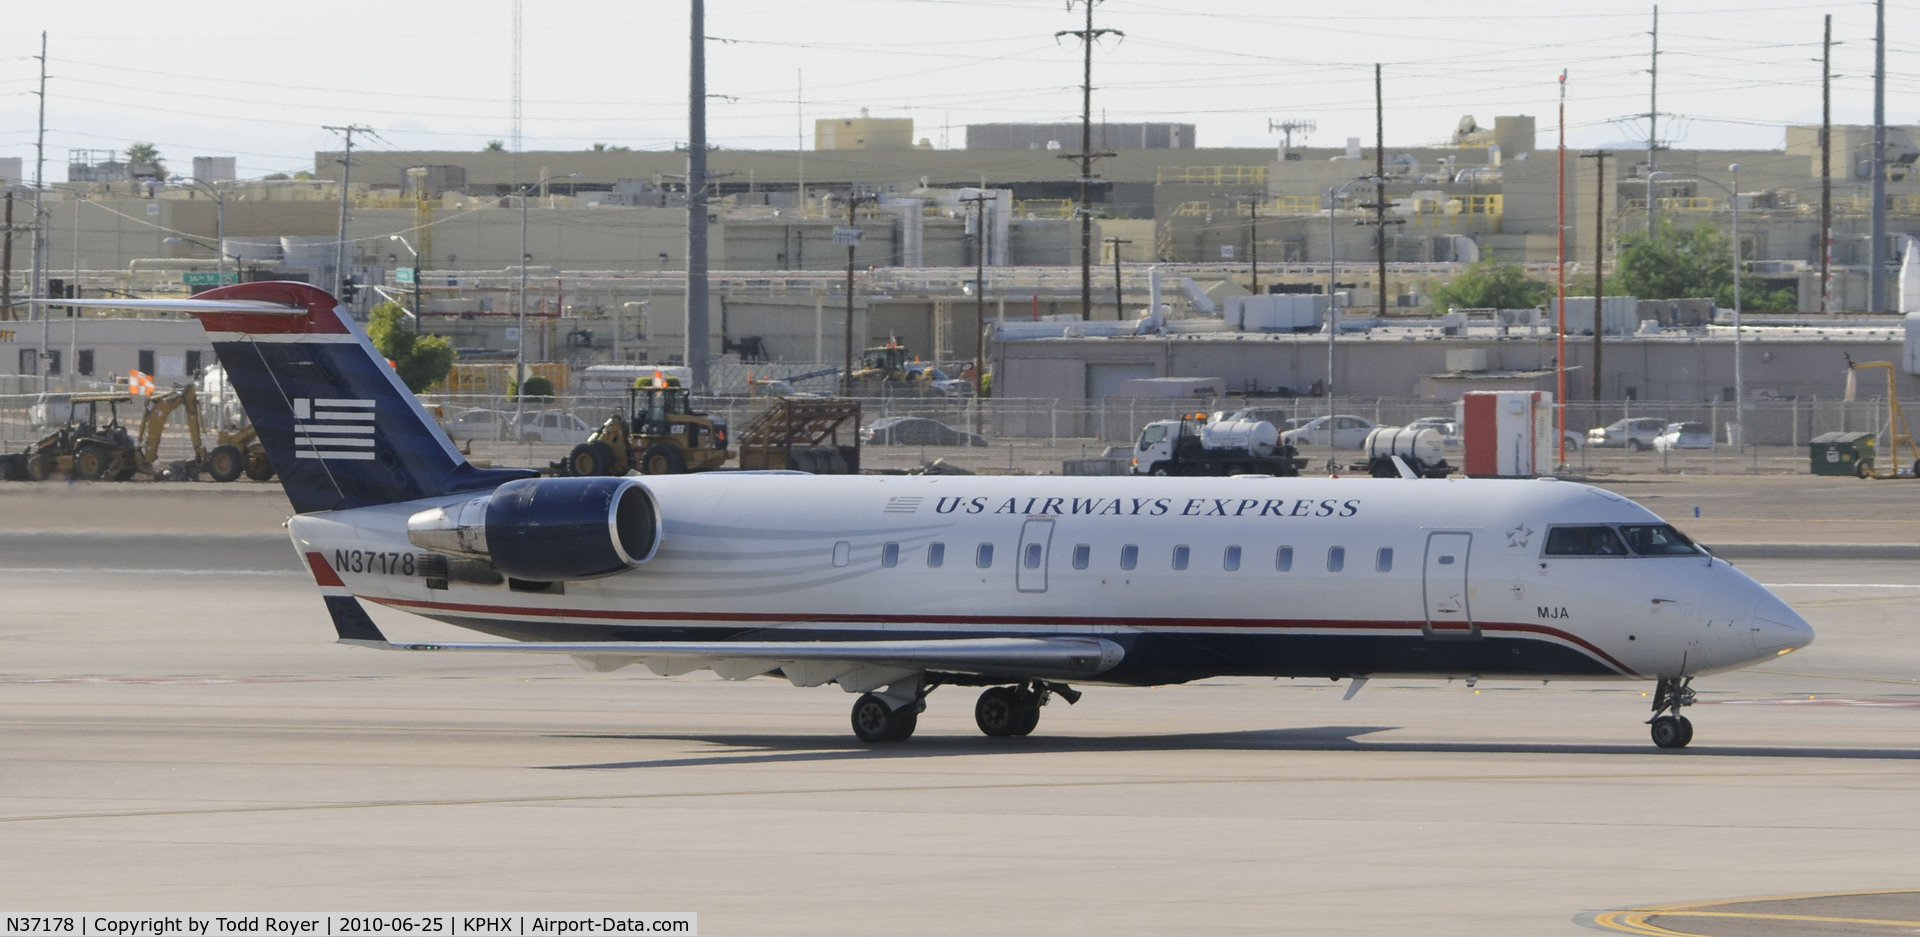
{"x": 332, "y": 428}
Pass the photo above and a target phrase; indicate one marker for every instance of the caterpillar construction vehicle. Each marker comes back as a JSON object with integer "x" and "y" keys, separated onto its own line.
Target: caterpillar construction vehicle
{"x": 660, "y": 435}
{"x": 88, "y": 449}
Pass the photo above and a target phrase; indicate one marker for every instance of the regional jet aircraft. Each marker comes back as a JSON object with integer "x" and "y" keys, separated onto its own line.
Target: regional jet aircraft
{"x": 892, "y": 586}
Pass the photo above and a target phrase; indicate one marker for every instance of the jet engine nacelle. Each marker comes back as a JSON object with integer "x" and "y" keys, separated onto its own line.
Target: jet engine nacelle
{"x": 548, "y": 529}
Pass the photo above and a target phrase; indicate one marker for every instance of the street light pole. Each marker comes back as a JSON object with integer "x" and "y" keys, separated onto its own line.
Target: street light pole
{"x": 1739, "y": 376}
{"x": 418, "y": 310}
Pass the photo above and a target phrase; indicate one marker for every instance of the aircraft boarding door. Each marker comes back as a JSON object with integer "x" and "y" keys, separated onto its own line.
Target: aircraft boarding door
{"x": 1444, "y": 586}
{"x": 1030, "y": 564}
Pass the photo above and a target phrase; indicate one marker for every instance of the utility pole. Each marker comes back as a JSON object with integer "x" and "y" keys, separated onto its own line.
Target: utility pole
{"x": 1826, "y": 169}
{"x": 1087, "y": 155}
{"x": 853, "y": 202}
{"x": 1877, "y": 273}
{"x": 6, "y": 261}
{"x": 1560, "y": 283}
{"x": 979, "y": 203}
{"x": 37, "y": 286}
{"x": 1599, "y": 247}
{"x": 346, "y": 181}
{"x": 1253, "y": 243}
{"x": 1119, "y": 305}
{"x": 697, "y": 341}
{"x": 1380, "y": 186}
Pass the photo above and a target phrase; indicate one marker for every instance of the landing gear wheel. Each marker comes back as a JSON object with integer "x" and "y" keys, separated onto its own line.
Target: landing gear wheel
{"x": 662, "y": 459}
{"x": 874, "y": 720}
{"x": 91, "y": 462}
{"x": 258, "y": 467}
{"x": 998, "y": 712}
{"x": 225, "y": 463}
{"x": 1029, "y": 712}
{"x": 591, "y": 458}
{"x": 1671, "y": 732}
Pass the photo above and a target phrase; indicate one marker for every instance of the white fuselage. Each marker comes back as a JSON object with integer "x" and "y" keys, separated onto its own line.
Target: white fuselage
{"x": 1196, "y": 576}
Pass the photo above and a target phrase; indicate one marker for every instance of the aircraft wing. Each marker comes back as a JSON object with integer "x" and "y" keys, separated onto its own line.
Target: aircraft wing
{"x": 855, "y": 665}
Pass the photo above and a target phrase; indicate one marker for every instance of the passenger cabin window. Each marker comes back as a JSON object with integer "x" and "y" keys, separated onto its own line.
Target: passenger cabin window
{"x": 1129, "y": 556}
{"x": 1336, "y": 559}
{"x": 936, "y": 554}
{"x": 1658, "y": 540}
{"x": 1283, "y": 560}
{"x": 1383, "y": 560}
{"x": 1584, "y": 541}
{"x": 1181, "y": 554}
{"x": 842, "y": 553}
{"x": 1231, "y": 560}
{"x": 1082, "y": 554}
{"x": 983, "y": 556}
{"x": 890, "y": 555}
{"x": 1034, "y": 553}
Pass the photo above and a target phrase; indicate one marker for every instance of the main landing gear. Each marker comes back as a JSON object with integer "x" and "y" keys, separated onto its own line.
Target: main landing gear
{"x": 1015, "y": 710}
{"x": 891, "y": 714}
{"x": 1669, "y": 728}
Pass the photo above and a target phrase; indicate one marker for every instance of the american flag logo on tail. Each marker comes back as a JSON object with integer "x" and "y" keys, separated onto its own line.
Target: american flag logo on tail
{"x": 332, "y": 428}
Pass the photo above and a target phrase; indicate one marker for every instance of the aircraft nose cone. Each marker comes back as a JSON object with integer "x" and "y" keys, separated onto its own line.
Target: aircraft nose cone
{"x": 1778, "y": 629}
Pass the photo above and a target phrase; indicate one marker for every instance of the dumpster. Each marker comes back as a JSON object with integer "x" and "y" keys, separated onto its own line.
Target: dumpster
{"x": 1841, "y": 454}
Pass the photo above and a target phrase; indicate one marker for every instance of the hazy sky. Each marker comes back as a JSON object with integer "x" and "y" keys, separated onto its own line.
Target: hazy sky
{"x": 259, "y": 80}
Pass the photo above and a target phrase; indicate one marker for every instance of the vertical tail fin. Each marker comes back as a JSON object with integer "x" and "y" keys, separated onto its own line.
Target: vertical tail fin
{"x": 339, "y": 427}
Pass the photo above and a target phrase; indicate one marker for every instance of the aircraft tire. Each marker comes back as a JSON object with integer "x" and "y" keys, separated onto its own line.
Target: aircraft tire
{"x": 875, "y": 721}
{"x": 226, "y": 463}
{"x": 1671, "y": 732}
{"x": 1028, "y": 714}
{"x": 998, "y": 712}
{"x": 1686, "y": 731}
{"x": 901, "y": 724}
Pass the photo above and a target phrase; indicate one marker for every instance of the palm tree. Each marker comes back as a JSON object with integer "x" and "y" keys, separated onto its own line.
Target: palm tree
{"x": 143, "y": 161}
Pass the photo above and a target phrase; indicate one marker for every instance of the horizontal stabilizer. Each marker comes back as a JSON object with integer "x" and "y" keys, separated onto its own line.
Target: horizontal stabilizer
{"x": 1030, "y": 657}
{"x": 352, "y": 622}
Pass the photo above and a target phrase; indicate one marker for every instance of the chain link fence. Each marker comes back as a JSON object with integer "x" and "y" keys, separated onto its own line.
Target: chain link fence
{"x": 1029, "y": 435}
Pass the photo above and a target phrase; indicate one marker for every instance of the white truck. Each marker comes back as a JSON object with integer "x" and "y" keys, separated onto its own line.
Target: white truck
{"x": 1199, "y": 444}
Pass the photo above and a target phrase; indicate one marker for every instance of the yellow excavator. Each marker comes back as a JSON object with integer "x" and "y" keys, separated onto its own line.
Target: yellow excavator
{"x": 87, "y": 449}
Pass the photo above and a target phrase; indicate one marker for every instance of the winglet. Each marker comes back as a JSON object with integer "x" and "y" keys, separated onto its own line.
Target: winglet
{"x": 353, "y": 623}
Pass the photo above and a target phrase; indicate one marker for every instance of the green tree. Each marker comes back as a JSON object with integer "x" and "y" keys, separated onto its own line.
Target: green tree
{"x": 143, "y": 160}
{"x": 494, "y": 146}
{"x": 1673, "y": 264}
{"x": 538, "y": 388}
{"x": 421, "y": 360}
{"x": 1491, "y": 285}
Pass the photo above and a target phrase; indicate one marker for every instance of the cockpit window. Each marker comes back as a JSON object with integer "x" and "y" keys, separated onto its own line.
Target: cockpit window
{"x": 1658, "y": 540}
{"x": 1584, "y": 541}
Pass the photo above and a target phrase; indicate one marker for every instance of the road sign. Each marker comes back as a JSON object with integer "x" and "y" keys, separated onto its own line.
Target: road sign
{"x": 209, "y": 279}
{"x": 846, "y": 237}
{"x": 403, "y": 275}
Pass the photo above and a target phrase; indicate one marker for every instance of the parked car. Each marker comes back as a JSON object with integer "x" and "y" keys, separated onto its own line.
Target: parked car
{"x": 1344, "y": 431}
{"x": 1444, "y": 424}
{"x": 469, "y": 425}
{"x": 1635, "y": 433}
{"x": 51, "y": 409}
{"x": 916, "y": 431}
{"x": 552, "y": 426}
{"x": 1683, "y": 436}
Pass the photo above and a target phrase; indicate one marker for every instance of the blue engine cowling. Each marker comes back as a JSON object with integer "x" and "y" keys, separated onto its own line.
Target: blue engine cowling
{"x": 548, "y": 529}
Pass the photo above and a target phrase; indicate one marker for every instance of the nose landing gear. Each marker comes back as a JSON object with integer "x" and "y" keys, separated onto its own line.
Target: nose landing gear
{"x": 1668, "y": 728}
